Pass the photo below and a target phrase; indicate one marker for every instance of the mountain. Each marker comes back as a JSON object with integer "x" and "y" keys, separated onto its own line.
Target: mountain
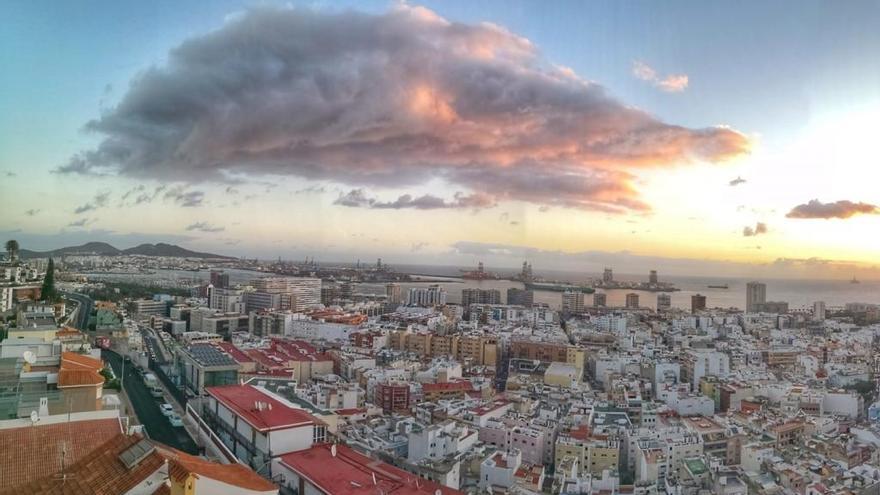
{"x": 104, "y": 249}
{"x": 100, "y": 248}
{"x": 169, "y": 250}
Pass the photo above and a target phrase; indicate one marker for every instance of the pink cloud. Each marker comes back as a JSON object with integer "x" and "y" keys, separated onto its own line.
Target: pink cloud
{"x": 391, "y": 100}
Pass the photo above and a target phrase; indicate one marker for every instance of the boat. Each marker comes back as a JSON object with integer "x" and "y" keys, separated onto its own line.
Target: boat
{"x": 718, "y": 286}
{"x": 553, "y": 287}
{"x": 854, "y": 281}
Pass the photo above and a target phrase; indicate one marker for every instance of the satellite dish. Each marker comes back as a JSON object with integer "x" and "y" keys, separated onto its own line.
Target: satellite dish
{"x": 29, "y": 357}
{"x": 34, "y": 417}
{"x": 333, "y": 450}
{"x": 438, "y": 492}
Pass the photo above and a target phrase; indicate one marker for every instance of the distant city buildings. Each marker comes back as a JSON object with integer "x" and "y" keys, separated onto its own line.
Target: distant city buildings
{"x": 426, "y": 296}
{"x": 756, "y": 294}
{"x": 664, "y": 302}
{"x": 698, "y": 303}
{"x": 572, "y": 302}
{"x": 520, "y": 297}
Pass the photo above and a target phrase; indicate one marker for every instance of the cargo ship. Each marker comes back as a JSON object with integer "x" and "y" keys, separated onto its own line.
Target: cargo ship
{"x": 718, "y": 286}
{"x": 553, "y": 287}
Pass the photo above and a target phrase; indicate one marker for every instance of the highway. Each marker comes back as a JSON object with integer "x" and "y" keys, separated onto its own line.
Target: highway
{"x": 147, "y": 407}
{"x": 85, "y": 309}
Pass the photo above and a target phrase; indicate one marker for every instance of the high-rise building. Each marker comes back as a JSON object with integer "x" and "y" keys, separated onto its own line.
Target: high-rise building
{"x": 664, "y": 302}
{"x": 573, "y": 302}
{"x": 433, "y": 295}
{"x": 303, "y": 292}
{"x": 607, "y": 275}
{"x": 756, "y": 294}
{"x": 480, "y": 296}
{"x": 393, "y": 294}
{"x": 219, "y": 279}
{"x": 600, "y": 299}
{"x": 632, "y": 300}
{"x": 652, "y": 277}
{"x": 227, "y": 300}
{"x": 698, "y": 303}
{"x": 520, "y": 297}
{"x": 819, "y": 311}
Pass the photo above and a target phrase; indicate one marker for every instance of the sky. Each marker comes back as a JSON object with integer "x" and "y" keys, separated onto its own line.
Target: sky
{"x": 691, "y": 137}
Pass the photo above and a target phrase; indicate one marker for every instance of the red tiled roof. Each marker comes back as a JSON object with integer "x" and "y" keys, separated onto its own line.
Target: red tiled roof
{"x": 36, "y": 450}
{"x": 351, "y": 473}
{"x": 182, "y": 464}
{"x": 461, "y": 386}
{"x": 236, "y": 353}
{"x": 241, "y": 399}
{"x": 99, "y": 472}
{"x": 78, "y": 370}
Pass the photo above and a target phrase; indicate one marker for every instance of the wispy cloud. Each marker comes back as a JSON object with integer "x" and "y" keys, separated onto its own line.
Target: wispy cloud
{"x": 348, "y": 97}
{"x": 838, "y": 209}
{"x": 758, "y": 229}
{"x": 100, "y": 200}
{"x": 83, "y": 222}
{"x": 357, "y": 198}
{"x": 184, "y": 198}
{"x": 672, "y": 83}
{"x": 204, "y": 227}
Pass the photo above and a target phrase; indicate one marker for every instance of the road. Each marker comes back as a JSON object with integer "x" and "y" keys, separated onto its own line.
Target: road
{"x": 147, "y": 407}
{"x": 85, "y": 309}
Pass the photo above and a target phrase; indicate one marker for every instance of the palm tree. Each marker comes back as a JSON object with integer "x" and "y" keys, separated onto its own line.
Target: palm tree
{"x": 12, "y": 249}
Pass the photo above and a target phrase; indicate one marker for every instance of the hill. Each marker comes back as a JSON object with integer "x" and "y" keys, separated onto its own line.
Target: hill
{"x": 104, "y": 249}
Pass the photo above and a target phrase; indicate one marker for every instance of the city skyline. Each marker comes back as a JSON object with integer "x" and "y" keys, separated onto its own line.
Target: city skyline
{"x": 610, "y": 143}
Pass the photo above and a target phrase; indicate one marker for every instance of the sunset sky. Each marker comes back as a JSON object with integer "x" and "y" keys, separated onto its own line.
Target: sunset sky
{"x": 691, "y": 137}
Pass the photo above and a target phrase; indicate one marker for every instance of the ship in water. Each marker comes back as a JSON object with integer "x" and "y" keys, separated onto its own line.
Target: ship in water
{"x": 723, "y": 286}
{"x": 854, "y": 280}
{"x": 479, "y": 274}
{"x": 559, "y": 287}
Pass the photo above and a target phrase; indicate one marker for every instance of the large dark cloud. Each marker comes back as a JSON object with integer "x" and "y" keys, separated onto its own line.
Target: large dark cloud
{"x": 394, "y": 100}
{"x": 838, "y": 209}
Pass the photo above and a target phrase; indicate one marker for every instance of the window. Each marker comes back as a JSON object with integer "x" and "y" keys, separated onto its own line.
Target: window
{"x": 319, "y": 434}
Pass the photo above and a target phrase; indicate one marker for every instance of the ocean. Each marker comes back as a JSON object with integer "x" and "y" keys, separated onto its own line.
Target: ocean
{"x": 798, "y": 293}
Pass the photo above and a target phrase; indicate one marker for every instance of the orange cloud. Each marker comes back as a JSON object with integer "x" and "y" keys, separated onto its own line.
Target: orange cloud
{"x": 396, "y": 99}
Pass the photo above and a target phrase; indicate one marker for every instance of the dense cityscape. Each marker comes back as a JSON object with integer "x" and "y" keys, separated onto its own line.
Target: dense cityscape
{"x": 377, "y": 247}
{"x": 299, "y": 383}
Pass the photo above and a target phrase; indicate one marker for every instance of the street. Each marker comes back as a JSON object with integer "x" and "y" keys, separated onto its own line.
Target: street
{"x": 85, "y": 308}
{"x": 147, "y": 408}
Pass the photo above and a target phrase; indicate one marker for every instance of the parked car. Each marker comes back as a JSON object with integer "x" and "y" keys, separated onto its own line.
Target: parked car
{"x": 167, "y": 410}
{"x": 175, "y": 420}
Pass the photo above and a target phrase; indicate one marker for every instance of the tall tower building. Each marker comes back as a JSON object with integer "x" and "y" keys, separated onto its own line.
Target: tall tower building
{"x": 393, "y": 294}
{"x": 698, "y": 303}
{"x": 756, "y": 295}
{"x": 608, "y": 275}
{"x": 652, "y": 277}
{"x": 573, "y": 302}
{"x": 819, "y": 311}
{"x": 664, "y": 302}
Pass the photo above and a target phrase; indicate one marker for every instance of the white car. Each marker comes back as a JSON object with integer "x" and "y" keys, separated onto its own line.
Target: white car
{"x": 175, "y": 420}
{"x": 167, "y": 410}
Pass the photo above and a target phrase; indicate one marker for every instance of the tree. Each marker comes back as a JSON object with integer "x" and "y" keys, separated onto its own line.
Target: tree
{"x": 48, "y": 291}
{"x": 12, "y": 249}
